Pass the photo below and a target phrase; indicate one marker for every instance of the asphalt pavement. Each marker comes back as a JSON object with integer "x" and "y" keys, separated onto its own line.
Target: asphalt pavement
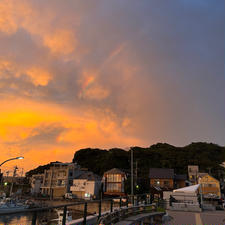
{"x": 203, "y": 218}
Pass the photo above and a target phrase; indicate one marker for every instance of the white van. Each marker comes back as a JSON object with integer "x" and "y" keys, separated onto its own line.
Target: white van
{"x": 68, "y": 196}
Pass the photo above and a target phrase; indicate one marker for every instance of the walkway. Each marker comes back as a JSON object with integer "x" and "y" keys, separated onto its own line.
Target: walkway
{"x": 189, "y": 218}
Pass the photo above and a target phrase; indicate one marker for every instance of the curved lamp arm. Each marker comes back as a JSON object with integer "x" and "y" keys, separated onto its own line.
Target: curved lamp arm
{"x": 11, "y": 159}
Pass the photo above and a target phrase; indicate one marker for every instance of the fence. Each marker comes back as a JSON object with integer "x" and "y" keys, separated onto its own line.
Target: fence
{"x": 81, "y": 209}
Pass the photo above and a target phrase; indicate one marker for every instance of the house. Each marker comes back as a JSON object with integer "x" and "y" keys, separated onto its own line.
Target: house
{"x": 162, "y": 178}
{"x": 86, "y": 186}
{"x": 180, "y": 180}
{"x": 113, "y": 182}
{"x": 193, "y": 171}
{"x": 58, "y": 179}
{"x": 166, "y": 179}
{"x": 36, "y": 183}
{"x": 210, "y": 186}
{"x": 14, "y": 179}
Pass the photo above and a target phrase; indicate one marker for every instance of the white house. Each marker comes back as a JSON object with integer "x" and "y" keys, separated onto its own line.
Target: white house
{"x": 86, "y": 186}
{"x": 36, "y": 183}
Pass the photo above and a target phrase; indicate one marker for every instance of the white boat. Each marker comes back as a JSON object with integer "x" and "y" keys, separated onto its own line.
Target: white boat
{"x": 60, "y": 217}
{"x": 8, "y": 205}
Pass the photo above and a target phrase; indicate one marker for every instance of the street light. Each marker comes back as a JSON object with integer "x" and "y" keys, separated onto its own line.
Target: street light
{"x": 20, "y": 157}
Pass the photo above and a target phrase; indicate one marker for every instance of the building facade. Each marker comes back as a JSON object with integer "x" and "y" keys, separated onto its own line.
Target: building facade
{"x": 210, "y": 186}
{"x": 36, "y": 183}
{"x": 166, "y": 179}
{"x": 161, "y": 178}
{"x": 113, "y": 182}
{"x": 193, "y": 171}
{"x": 59, "y": 178}
{"x": 86, "y": 186}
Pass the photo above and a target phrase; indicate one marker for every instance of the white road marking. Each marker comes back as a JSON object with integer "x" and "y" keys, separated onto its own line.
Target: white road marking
{"x": 198, "y": 219}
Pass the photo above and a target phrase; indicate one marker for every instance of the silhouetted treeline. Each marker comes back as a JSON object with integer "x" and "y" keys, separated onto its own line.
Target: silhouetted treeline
{"x": 207, "y": 155}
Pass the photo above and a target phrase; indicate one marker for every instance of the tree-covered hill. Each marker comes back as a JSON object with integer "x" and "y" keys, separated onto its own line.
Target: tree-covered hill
{"x": 207, "y": 155}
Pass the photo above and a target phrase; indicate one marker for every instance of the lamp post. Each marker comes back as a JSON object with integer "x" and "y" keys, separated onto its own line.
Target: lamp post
{"x": 20, "y": 157}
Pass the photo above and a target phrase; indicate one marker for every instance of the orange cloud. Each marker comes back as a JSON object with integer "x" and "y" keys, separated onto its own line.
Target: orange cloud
{"x": 61, "y": 41}
{"x": 46, "y": 131}
{"x": 39, "y": 76}
{"x": 7, "y": 22}
{"x": 90, "y": 87}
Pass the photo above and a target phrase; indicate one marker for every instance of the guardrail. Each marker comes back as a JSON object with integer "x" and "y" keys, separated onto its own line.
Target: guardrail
{"x": 114, "y": 204}
{"x": 123, "y": 213}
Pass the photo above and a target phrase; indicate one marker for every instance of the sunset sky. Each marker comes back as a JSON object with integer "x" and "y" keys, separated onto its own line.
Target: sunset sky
{"x": 109, "y": 73}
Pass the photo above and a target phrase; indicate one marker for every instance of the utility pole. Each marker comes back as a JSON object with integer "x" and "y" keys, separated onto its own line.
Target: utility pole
{"x": 132, "y": 172}
{"x": 22, "y": 172}
{"x": 14, "y": 174}
{"x": 136, "y": 173}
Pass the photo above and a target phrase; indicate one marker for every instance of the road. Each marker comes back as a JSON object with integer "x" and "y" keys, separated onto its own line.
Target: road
{"x": 203, "y": 218}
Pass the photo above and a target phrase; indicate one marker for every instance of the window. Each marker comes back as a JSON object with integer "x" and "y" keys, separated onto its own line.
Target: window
{"x": 54, "y": 175}
{"x": 166, "y": 183}
{"x": 114, "y": 177}
{"x": 211, "y": 185}
{"x": 62, "y": 173}
{"x": 114, "y": 187}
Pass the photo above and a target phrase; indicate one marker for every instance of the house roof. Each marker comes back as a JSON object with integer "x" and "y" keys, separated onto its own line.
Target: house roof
{"x": 161, "y": 173}
{"x": 202, "y": 174}
{"x": 89, "y": 176}
{"x": 189, "y": 189}
{"x": 180, "y": 177}
{"x": 114, "y": 171}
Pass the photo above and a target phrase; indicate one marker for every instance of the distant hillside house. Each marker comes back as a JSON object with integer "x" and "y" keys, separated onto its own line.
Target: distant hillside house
{"x": 113, "y": 182}
{"x": 86, "y": 186}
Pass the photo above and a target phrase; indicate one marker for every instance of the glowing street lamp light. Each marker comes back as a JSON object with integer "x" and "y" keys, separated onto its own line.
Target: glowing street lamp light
{"x": 20, "y": 157}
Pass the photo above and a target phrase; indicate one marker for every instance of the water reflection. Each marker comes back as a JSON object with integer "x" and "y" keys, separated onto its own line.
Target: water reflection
{"x": 16, "y": 219}
{"x": 23, "y": 219}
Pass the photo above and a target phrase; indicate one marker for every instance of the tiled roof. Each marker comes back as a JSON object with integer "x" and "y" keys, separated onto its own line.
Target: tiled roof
{"x": 161, "y": 173}
{"x": 180, "y": 177}
{"x": 114, "y": 171}
{"x": 89, "y": 176}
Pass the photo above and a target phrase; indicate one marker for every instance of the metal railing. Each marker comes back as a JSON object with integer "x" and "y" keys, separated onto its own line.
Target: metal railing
{"x": 118, "y": 215}
{"x": 110, "y": 205}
